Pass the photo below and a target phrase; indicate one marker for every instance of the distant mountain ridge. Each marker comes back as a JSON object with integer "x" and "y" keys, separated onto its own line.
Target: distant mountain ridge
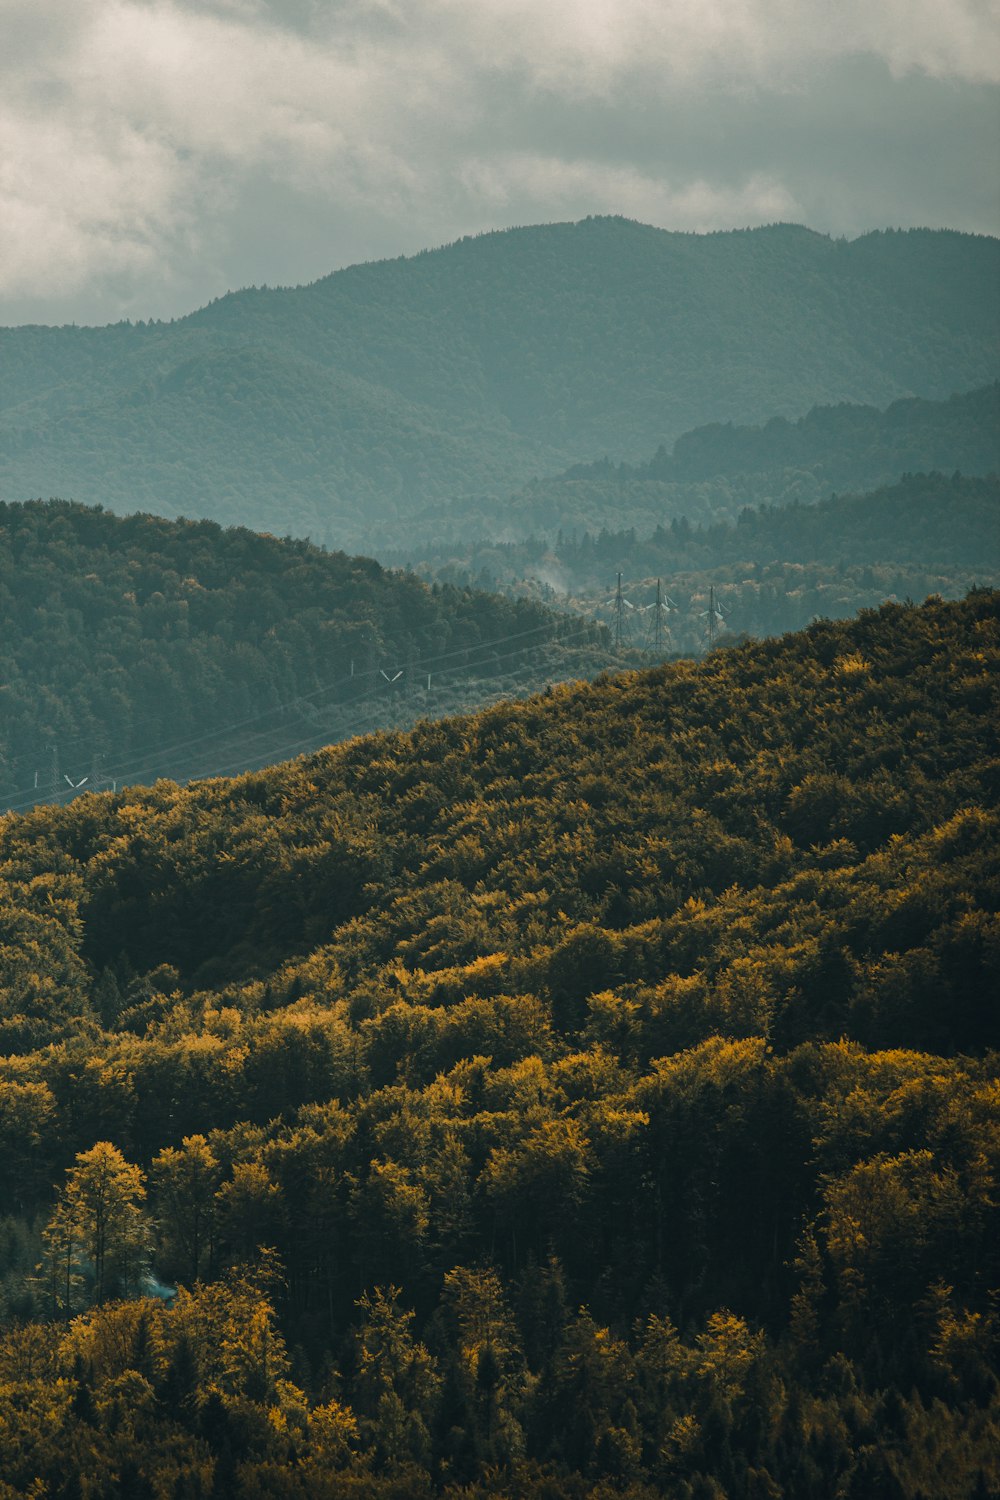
{"x": 841, "y": 445}
{"x": 712, "y": 473}
{"x": 774, "y": 569}
{"x": 466, "y": 370}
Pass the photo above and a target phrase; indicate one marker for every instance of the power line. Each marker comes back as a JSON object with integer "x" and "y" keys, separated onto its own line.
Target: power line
{"x": 621, "y": 609}
{"x": 143, "y": 765}
{"x": 354, "y": 674}
{"x": 347, "y": 731}
{"x": 359, "y": 678}
{"x": 715, "y": 613}
{"x": 661, "y": 611}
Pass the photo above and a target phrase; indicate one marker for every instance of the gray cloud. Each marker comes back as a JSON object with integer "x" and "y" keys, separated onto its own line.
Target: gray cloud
{"x": 154, "y": 152}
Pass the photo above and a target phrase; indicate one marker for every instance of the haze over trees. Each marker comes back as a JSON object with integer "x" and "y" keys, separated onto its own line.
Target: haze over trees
{"x": 140, "y": 647}
{"x": 776, "y": 569}
{"x": 591, "y": 1095}
{"x": 750, "y": 513}
{"x": 713, "y": 473}
{"x": 469, "y": 369}
{"x": 442, "y": 1074}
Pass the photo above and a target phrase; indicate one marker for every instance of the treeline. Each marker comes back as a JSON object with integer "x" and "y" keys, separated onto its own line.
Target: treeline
{"x": 838, "y": 446}
{"x": 136, "y": 647}
{"x": 774, "y": 569}
{"x": 364, "y": 398}
{"x": 593, "y": 1096}
{"x": 714, "y": 473}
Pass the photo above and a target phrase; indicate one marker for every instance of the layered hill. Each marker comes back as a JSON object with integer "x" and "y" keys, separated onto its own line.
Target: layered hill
{"x": 468, "y": 369}
{"x": 595, "y": 1091}
{"x": 139, "y": 647}
{"x": 774, "y": 569}
{"x": 713, "y": 473}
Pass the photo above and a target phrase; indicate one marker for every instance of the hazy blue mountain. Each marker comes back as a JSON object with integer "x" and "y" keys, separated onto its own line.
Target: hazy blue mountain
{"x": 253, "y": 434}
{"x": 712, "y": 473}
{"x": 466, "y": 370}
{"x": 946, "y": 520}
{"x": 772, "y": 570}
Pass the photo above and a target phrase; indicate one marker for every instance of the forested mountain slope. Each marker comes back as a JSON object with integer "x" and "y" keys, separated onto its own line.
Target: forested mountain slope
{"x": 946, "y": 521}
{"x": 712, "y": 473}
{"x": 776, "y": 569}
{"x": 609, "y": 1075}
{"x": 139, "y": 647}
{"x": 470, "y": 368}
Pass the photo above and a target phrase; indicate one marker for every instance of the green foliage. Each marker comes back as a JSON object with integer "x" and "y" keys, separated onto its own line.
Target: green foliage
{"x": 469, "y": 369}
{"x": 773, "y": 569}
{"x": 98, "y": 1231}
{"x": 714, "y": 473}
{"x": 630, "y": 1128}
{"x": 142, "y": 647}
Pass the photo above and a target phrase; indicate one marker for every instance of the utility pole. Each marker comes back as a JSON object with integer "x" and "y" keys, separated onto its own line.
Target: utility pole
{"x": 619, "y": 614}
{"x": 716, "y": 616}
{"x": 55, "y": 784}
{"x": 371, "y": 668}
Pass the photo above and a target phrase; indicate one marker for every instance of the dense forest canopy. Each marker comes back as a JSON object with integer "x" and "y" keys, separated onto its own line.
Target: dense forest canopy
{"x": 589, "y": 1095}
{"x": 713, "y": 473}
{"x": 469, "y": 369}
{"x": 138, "y": 647}
{"x": 775, "y": 569}
{"x": 438, "y": 1077}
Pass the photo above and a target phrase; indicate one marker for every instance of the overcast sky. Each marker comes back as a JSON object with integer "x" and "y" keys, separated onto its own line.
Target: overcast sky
{"x": 155, "y": 153}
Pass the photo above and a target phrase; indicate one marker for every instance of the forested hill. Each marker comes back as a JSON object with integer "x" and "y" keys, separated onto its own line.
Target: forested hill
{"x": 928, "y": 533}
{"x": 139, "y": 647}
{"x": 591, "y": 1096}
{"x": 847, "y": 446}
{"x": 468, "y": 369}
{"x": 714, "y": 472}
{"x": 775, "y": 569}
{"x": 944, "y": 522}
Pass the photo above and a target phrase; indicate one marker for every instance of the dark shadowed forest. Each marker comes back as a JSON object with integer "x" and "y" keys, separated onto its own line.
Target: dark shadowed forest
{"x": 137, "y": 647}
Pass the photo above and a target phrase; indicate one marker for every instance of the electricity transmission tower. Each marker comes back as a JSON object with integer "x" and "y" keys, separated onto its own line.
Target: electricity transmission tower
{"x": 715, "y": 615}
{"x": 662, "y": 609}
{"x": 621, "y": 604}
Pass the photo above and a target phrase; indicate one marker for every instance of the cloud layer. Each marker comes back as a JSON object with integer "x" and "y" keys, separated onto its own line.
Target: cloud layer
{"x": 155, "y": 152}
